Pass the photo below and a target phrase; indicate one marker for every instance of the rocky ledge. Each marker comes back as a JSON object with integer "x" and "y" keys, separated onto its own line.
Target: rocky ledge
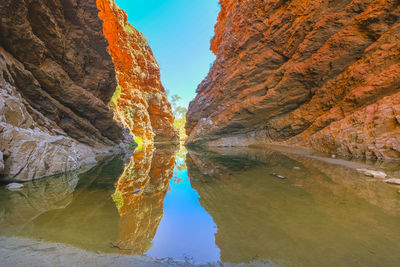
{"x": 321, "y": 74}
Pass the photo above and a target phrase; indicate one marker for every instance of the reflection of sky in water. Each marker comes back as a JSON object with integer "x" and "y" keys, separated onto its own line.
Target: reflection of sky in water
{"x": 186, "y": 229}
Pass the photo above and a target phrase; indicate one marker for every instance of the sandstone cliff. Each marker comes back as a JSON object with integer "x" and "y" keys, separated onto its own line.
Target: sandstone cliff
{"x": 323, "y": 74}
{"x": 56, "y": 79}
{"x": 61, "y": 104}
{"x": 140, "y": 103}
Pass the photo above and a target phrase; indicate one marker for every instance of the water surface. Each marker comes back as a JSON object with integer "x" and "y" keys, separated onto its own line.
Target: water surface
{"x": 229, "y": 205}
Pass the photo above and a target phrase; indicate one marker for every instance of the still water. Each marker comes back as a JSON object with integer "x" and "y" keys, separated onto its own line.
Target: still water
{"x": 222, "y": 205}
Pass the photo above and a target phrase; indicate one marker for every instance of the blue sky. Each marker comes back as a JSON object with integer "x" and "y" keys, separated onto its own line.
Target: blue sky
{"x": 179, "y": 33}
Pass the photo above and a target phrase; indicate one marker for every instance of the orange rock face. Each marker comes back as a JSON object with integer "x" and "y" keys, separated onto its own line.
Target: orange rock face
{"x": 322, "y": 74}
{"x": 140, "y": 103}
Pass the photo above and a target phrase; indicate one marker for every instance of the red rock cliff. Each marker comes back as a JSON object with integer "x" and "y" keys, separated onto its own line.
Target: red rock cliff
{"x": 317, "y": 73}
{"x": 140, "y": 102}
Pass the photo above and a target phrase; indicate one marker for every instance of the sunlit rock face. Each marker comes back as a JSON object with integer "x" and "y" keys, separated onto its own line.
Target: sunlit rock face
{"x": 139, "y": 197}
{"x": 56, "y": 79}
{"x": 140, "y": 102}
{"x": 321, "y": 213}
{"x": 322, "y": 74}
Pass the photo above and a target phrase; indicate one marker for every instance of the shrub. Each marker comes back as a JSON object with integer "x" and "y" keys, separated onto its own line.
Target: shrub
{"x": 129, "y": 28}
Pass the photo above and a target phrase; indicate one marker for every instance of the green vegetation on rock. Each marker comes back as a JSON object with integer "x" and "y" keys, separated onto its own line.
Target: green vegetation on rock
{"x": 115, "y": 97}
{"x": 139, "y": 142}
{"x": 129, "y": 29}
{"x": 180, "y": 116}
{"x": 117, "y": 197}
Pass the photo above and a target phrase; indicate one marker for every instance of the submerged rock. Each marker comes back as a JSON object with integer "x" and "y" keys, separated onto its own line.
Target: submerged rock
{"x": 14, "y": 186}
{"x": 372, "y": 173}
{"x": 278, "y": 176}
{"x": 393, "y": 181}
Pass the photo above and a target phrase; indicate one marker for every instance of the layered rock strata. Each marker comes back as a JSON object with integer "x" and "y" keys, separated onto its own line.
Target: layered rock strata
{"x": 56, "y": 79}
{"x": 140, "y": 102}
{"x": 322, "y": 74}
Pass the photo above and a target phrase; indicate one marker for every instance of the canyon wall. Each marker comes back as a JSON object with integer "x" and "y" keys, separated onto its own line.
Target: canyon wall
{"x": 318, "y": 73}
{"x": 63, "y": 98}
{"x": 56, "y": 79}
{"x": 140, "y": 102}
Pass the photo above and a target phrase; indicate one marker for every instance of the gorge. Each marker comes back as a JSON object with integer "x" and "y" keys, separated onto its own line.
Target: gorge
{"x": 288, "y": 154}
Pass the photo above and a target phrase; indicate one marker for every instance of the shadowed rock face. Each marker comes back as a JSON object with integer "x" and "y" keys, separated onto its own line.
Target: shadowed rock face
{"x": 141, "y": 103}
{"x": 56, "y": 78}
{"x": 322, "y": 74}
{"x": 57, "y": 59}
{"x": 320, "y": 214}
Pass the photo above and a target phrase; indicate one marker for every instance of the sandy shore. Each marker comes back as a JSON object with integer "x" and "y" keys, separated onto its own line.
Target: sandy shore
{"x": 16, "y": 251}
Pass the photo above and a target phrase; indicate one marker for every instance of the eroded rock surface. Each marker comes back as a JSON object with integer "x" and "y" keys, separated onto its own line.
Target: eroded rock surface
{"x": 140, "y": 102}
{"x": 322, "y": 74}
{"x": 56, "y": 78}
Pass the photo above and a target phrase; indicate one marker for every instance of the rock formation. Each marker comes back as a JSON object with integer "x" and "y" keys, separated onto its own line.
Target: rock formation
{"x": 56, "y": 79}
{"x": 58, "y": 82}
{"x": 140, "y": 103}
{"x": 322, "y": 74}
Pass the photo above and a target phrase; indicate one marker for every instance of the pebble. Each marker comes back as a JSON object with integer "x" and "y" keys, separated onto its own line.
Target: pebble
{"x": 14, "y": 186}
{"x": 375, "y": 174}
{"x": 279, "y": 176}
{"x": 296, "y": 168}
{"x": 136, "y": 191}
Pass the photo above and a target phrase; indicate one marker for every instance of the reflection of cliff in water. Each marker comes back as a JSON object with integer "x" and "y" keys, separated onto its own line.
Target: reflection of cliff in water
{"x": 320, "y": 215}
{"x": 81, "y": 211}
{"x": 139, "y": 196}
{"x": 19, "y": 208}
{"x": 88, "y": 220}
